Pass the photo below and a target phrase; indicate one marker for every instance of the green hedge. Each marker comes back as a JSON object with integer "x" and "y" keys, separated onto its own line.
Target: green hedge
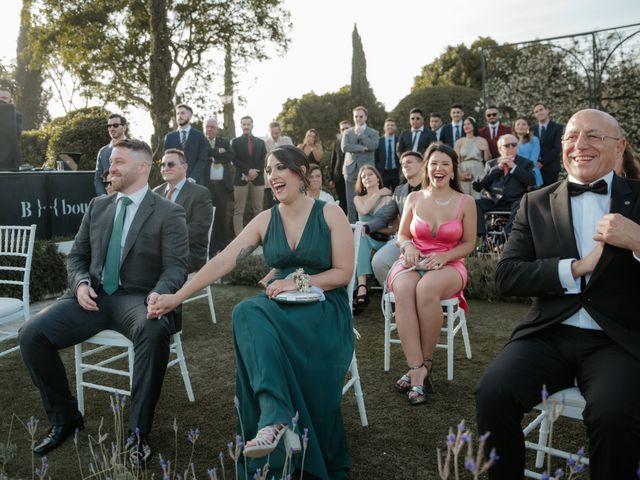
{"x": 249, "y": 272}
{"x": 48, "y": 273}
{"x": 34, "y": 147}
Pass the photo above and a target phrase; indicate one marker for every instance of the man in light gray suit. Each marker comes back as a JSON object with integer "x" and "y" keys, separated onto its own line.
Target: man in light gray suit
{"x": 359, "y": 145}
{"x": 131, "y": 247}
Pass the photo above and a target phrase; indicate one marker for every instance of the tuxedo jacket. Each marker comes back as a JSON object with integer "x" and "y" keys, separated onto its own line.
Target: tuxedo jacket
{"x": 427, "y": 137}
{"x": 154, "y": 257}
{"x": 355, "y": 156}
{"x": 226, "y": 159}
{"x": 195, "y": 150}
{"x": 446, "y": 134}
{"x": 513, "y": 185}
{"x": 485, "y": 132}
{"x": 337, "y": 160}
{"x": 380, "y": 155}
{"x": 196, "y": 201}
{"x": 542, "y": 235}
{"x": 550, "y": 146}
{"x": 245, "y": 162}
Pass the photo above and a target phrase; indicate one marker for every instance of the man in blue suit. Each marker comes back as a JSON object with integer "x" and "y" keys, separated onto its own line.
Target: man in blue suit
{"x": 418, "y": 137}
{"x": 191, "y": 141}
{"x": 386, "y": 156}
{"x": 453, "y": 131}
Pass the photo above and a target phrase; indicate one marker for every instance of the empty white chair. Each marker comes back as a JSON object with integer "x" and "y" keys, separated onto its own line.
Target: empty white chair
{"x": 454, "y": 321}
{"x": 86, "y": 361}
{"x": 574, "y": 404}
{"x": 206, "y": 291}
{"x": 354, "y": 380}
{"x": 16, "y": 254}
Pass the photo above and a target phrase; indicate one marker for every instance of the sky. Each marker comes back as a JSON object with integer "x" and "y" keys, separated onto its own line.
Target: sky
{"x": 399, "y": 38}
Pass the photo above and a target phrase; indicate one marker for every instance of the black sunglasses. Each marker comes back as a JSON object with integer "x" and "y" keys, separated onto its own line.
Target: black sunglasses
{"x": 114, "y": 125}
{"x": 168, "y": 165}
{"x": 491, "y": 115}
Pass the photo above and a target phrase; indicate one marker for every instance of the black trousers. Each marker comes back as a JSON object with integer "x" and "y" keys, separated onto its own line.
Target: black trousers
{"x": 220, "y": 200}
{"x": 390, "y": 178}
{"x": 549, "y": 177}
{"x": 341, "y": 192}
{"x": 608, "y": 377}
{"x": 484, "y": 205}
{"x": 66, "y": 323}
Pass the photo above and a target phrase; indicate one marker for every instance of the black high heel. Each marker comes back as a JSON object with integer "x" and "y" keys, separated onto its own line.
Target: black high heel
{"x": 427, "y": 384}
{"x": 360, "y": 302}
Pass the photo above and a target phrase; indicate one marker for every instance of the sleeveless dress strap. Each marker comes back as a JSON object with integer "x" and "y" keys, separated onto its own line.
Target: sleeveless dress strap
{"x": 459, "y": 216}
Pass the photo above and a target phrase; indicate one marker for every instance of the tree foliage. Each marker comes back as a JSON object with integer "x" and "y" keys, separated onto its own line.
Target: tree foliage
{"x": 121, "y": 54}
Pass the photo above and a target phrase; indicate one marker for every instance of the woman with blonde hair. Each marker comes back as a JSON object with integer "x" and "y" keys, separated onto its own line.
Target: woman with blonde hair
{"x": 312, "y": 147}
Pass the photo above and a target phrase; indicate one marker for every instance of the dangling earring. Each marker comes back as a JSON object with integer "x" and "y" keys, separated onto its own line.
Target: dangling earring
{"x": 301, "y": 188}
{"x": 453, "y": 176}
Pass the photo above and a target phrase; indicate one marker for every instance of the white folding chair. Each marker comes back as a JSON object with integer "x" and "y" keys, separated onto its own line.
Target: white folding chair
{"x": 455, "y": 320}
{"x": 574, "y": 404}
{"x": 16, "y": 252}
{"x": 108, "y": 339}
{"x": 354, "y": 380}
{"x": 206, "y": 291}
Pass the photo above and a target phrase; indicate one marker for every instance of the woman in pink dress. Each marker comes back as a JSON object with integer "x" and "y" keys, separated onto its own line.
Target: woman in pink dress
{"x": 437, "y": 230}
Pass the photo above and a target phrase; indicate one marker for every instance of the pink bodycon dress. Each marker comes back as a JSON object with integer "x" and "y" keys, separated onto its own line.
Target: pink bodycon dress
{"x": 447, "y": 237}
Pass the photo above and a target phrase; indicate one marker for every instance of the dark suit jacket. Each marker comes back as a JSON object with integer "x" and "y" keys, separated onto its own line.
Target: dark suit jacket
{"x": 511, "y": 186}
{"x": 337, "y": 161}
{"x": 226, "y": 159}
{"x": 195, "y": 150}
{"x": 405, "y": 143}
{"x": 244, "y": 162}
{"x": 485, "y": 133}
{"x": 542, "y": 235}
{"x": 102, "y": 165}
{"x": 550, "y": 146}
{"x": 196, "y": 201}
{"x": 154, "y": 258}
{"x": 446, "y": 134}
{"x": 380, "y": 154}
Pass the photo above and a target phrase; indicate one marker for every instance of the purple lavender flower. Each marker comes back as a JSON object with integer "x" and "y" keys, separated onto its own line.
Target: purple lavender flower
{"x": 305, "y": 438}
{"x": 545, "y": 393}
{"x": 451, "y": 439}
{"x": 493, "y": 456}
{"x": 461, "y": 426}
{"x": 559, "y": 473}
{"x": 236, "y": 402}
{"x": 470, "y": 465}
{"x": 220, "y": 456}
{"x": 256, "y": 476}
{"x": 545, "y": 476}
{"x": 483, "y": 438}
{"x": 193, "y": 435}
{"x": 294, "y": 420}
{"x": 212, "y": 473}
{"x": 32, "y": 425}
{"x": 465, "y": 438}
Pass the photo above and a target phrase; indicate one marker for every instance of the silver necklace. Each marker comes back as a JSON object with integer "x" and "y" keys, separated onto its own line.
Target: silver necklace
{"x": 442, "y": 203}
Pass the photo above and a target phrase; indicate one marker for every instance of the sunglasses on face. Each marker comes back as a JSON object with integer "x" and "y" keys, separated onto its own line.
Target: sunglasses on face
{"x": 168, "y": 165}
{"x": 114, "y": 125}
{"x": 491, "y": 115}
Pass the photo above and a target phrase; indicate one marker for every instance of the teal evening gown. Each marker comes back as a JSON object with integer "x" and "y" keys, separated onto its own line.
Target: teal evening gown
{"x": 293, "y": 357}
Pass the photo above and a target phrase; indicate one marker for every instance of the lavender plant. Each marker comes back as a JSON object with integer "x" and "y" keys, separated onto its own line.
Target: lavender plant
{"x": 475, "y": 464}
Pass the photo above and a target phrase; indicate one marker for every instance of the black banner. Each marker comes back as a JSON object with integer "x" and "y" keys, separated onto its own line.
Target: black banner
{"x": 55, "y": 201}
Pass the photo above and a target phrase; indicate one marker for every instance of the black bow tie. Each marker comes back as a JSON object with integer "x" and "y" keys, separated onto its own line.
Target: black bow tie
{"x": 576, "y": 189}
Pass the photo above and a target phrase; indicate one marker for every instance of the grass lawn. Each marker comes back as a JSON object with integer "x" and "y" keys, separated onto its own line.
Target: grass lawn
{"x": 400, "y": 441}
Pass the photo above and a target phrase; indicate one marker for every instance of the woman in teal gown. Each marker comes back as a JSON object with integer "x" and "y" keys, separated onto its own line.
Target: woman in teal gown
{"x": 291, "y": 358}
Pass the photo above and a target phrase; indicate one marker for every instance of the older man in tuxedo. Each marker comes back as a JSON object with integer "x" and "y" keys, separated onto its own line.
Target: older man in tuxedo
{"x": 130, "y": 248}
{"x": 358, "y": 144}
{"x": 195, "y": 199}
{"x": 191, "y": 141}
{"x": 574, "y": 247}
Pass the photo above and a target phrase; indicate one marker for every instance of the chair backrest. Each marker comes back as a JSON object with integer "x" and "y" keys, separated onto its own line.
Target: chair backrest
{"x": 357, "y": 236}
{"x": 16, "y": 250}
{"x": 213, "y": 216}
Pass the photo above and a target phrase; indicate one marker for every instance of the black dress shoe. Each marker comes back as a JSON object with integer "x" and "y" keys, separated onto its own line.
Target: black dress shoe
{"x": 139, "y": 452}
{"x": 57, "y": 435}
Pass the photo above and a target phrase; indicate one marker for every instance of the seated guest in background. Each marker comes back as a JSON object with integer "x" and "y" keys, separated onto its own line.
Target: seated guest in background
{"x": 315, "y": 185}
{"x": 550, "y": 134}
{"x": 494, "y": 129}
{"x": 312, "y": 147}
{"x": 386, "y": 256}
{"x": 196, "y": 201}
{"x": 419, "y": 137}
{"x": 290, "y": 358}
{"x": 106, "y": 182}
{"x": 371, "y": 196}
{"x": 337, "y": 162}
{"x": 472, "y": 151}
{"x": 505, "y": 183}
{"x": 574, "y": 247}
{"x": 528, "y": 145}
{"x": 435, "y": 123}
{"x": 386, "y": 156}
{"x": 115, "y": 269}
{"x": 117, "y": 128}
{"x": 437, "y": 230}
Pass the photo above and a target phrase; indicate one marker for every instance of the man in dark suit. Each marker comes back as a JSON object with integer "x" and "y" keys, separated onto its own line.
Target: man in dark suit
{"x": 219, "y": 178}
{"x": 386, "y": 157}
{"x": 130, "y": 248}
{"x": 574, "y": 247}
{"x": 358, "y": 144}
{"x": 506, "y": 182}
{"x": 196, "y": 201}
{"x": 249, "y": 156}
{"x": 337, "y": 162}
{"x": 435, "y": 123}
{"x": 117, "y": 129}
{"x": 6, "y": 97}
{"x": 191, "y": 141}
{"x": 550, "y": 135}
{"x": 453, "y": 131}
{"x": 419, "y": 137}
{"x": 493, "y": 130}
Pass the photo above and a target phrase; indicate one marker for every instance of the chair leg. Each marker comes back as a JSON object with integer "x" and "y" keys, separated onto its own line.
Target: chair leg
{"x": 465, "y": 332}
{"x": 211, "y": 307}
{"x": 177, "y": 344}
{"x": 132, "y": 357}
{"x": 388, "y": 313}
{"x": 450, "y": 337}
{"x": 79, "y": 372}
{"x": 357, "y": 389}
{"x": 543, "y": 437}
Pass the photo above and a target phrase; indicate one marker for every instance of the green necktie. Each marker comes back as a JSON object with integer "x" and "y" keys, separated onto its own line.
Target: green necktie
{"x": 112, "y": 262}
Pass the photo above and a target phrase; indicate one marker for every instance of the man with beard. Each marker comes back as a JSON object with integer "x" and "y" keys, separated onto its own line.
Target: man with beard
{"x": 130, "y": 248}
{"x": 117, "y": 128}
{"x": 191, "y": 141}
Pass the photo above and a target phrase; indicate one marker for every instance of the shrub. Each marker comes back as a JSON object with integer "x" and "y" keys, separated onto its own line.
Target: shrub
{"x": 480, "y": 280}
{"x": 249, "y": 272}
{"x": 48, "y": 273}
{"x": 34, "y": 147}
